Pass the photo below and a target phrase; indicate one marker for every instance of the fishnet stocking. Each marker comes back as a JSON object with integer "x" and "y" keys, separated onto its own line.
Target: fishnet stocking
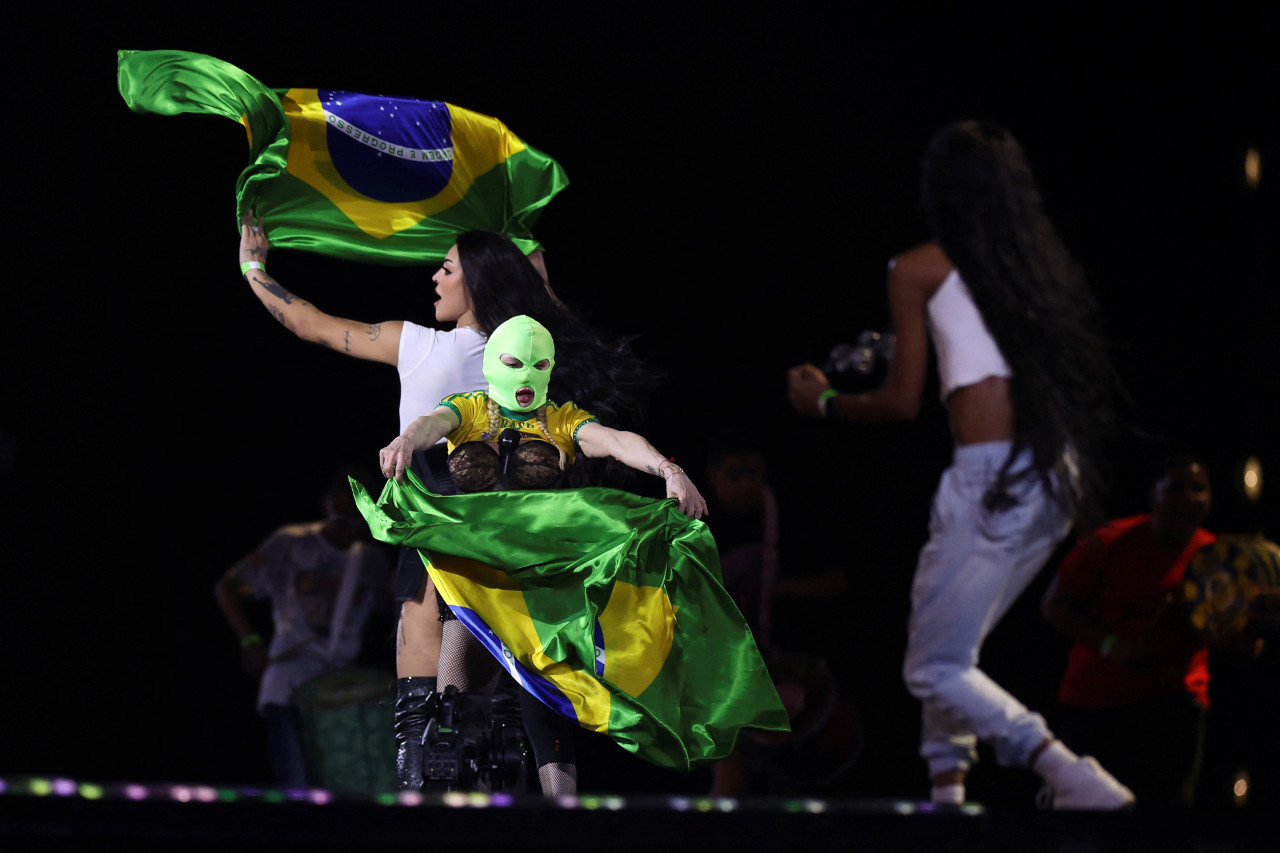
{"x": 557, "y": 778}
{"x": 464, "y": 663}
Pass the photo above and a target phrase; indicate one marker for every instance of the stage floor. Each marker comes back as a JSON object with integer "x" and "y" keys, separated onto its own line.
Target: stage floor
{"x": 66, "y": 815}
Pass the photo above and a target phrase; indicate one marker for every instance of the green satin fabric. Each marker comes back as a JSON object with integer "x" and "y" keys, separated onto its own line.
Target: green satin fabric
{"x": 576, "y": 553}
{"x": 508, "y": 197}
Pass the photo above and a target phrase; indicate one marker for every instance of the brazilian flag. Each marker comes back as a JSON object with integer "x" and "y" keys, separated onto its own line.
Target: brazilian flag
{"x": 365, "y": 177}
{"x": 605, "y": 605}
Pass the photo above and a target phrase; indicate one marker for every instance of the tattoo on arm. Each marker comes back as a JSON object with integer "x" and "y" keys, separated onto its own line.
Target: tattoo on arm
{"x": 322, "y": 342}
{"x": 651, "y": 470}
{"x": 375, "y": 331}
{"x": 279, "y": 315}
{"x": 270, "y": 285}
{"x": 346, "y": 340}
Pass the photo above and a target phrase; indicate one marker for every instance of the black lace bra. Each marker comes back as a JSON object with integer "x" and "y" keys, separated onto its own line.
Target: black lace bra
{"x": 534, "y": 464}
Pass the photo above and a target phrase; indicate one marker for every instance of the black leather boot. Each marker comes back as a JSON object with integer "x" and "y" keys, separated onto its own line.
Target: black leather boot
{"x": 410, "y": 722}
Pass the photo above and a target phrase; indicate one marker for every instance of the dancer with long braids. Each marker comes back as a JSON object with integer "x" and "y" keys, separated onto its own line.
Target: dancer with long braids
{"x": 484, "y": 280}
{"x": 1026, "y": 381}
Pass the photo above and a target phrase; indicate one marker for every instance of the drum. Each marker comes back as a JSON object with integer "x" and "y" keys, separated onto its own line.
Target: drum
{"x": 347, "y": 730}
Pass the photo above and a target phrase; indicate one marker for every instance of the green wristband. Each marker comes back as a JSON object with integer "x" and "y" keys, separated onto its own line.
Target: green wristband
{"x": 826, "y": 406}
{"x": 251, "y": 265}
{"x": 254, "y": 639}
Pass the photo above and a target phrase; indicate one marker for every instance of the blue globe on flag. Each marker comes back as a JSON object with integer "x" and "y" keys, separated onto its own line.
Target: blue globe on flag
{"x": 389, "y": 149}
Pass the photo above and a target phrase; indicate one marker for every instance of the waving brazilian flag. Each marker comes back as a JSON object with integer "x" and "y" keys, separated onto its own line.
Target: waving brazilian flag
{"x": 605, "y": 605}
{"x": 373, "y": 178}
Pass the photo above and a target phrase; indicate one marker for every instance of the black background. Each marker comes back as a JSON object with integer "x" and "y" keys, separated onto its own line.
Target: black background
{"x": 738, "y": 180}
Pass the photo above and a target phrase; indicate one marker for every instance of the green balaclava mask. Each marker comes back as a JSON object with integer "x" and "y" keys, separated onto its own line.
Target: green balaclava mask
{"x": 529, "y": 343}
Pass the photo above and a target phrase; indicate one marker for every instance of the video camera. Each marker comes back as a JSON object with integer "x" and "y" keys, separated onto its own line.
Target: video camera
{"x": 471, "y": 744}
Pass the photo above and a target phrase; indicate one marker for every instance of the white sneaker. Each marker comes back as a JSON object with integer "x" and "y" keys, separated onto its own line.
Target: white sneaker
{"x": 1084, "y": 785}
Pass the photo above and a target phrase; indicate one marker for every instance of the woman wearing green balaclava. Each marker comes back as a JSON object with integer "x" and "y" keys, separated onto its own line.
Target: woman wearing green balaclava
{"x": 543, "y": 439}
{"x": 518, "y": 359}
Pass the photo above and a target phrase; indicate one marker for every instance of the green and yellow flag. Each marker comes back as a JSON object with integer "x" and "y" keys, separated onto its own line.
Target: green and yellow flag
{"x": 605, "y": 605}
{"x": 371, "y": 178}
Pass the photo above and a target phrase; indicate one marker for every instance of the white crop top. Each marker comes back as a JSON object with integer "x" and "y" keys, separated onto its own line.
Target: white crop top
{"x": 434, "y": 364}
{"x": 967, "y": 353}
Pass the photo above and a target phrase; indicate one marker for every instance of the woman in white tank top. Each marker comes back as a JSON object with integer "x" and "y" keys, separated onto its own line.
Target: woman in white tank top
{"x": 1026, "y": 382}
{"x": 484, "y": 280}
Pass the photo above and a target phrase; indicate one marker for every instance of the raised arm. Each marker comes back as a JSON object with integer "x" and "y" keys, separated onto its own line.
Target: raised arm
{"x": 635, "y": 451}
{"x": 912, "y": 280}
{"x": 370, "y": 341}
{"x": 540, "y": 264}
{"x": 421, "y": 433}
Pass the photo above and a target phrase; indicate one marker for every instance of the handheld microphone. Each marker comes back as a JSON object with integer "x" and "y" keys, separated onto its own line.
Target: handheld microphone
{"x": 508, "y": 441}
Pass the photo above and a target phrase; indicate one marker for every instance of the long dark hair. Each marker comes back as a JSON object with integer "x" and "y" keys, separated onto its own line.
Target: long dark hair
{"x": 500, "y": 279}
{"x": 985, "y": 211}
{"x": 605, "y": 377}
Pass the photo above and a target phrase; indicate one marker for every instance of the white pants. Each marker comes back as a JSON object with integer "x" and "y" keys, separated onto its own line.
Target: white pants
{"x": 974, "y": 566}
